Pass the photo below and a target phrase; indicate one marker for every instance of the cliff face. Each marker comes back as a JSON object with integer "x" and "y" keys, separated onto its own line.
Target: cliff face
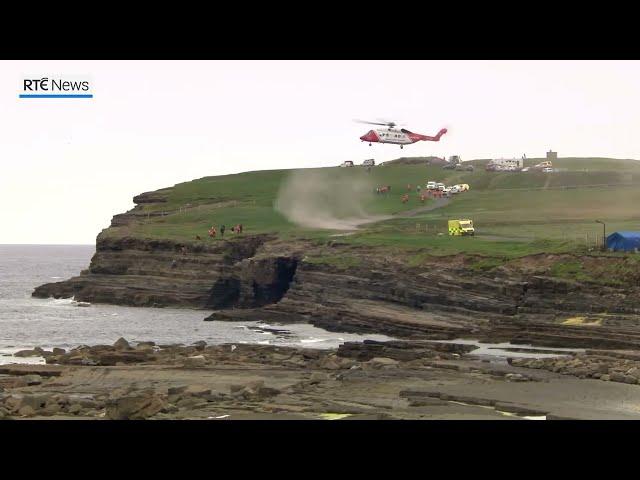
{"x": 342, "y": 287}
{"x": 444, "y": 302}
{"x": 129, "y": 271}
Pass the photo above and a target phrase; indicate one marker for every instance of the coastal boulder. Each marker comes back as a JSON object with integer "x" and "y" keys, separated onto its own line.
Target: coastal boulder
{"x": 26, "y": 411}
{"x": 200, "y": 345}
{"x": 121, "y": 357}
{"x": 617, "y": 377}
{"x": 146, "y": 346}
{"x": 16, "y": 403}
{"x": 27, "y": 353}
{"x": 51, "y": 408}
{"x": 384, "y": 361}
{"x": 253, "y": 390}
{"x": 74, "y": 409}
{"x": 122, "y": 344}
{"x": 195, "y": 361}
{"x": 32, "y": 380}
{"x": 199, "y": 391}
{"x": 135, "y": 407}
{"x": 330, "y": 362}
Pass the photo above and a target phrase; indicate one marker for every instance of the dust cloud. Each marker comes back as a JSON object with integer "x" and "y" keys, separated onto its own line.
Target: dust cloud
{"x": 333, "y": 200}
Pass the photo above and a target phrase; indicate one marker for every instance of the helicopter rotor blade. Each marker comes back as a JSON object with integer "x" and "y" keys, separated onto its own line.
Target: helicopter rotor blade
{"x": 388, "y": 122}
{"x": 370, "y": 123}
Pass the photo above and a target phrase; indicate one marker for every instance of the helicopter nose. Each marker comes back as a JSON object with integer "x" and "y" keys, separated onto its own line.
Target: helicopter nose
{"x": 369, "y": 136}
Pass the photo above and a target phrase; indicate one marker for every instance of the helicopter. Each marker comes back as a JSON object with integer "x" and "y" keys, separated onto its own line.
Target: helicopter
{"x": 396, "y": 136}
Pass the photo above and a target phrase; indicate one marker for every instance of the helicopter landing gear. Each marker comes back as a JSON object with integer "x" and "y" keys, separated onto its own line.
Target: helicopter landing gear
{"x": 401, "y": 147}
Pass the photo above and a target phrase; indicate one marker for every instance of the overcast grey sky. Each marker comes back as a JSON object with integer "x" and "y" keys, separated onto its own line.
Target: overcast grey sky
{"x": 69, "y": 165}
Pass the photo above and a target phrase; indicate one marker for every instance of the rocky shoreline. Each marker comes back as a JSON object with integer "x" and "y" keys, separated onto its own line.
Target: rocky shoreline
{"x": 370, "y": 380}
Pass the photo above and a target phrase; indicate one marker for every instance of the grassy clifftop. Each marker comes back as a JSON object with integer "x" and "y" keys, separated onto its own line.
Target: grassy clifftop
{"x": 514, "y": 213}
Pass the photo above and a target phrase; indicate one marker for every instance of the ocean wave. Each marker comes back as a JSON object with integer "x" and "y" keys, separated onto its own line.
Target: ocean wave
{"x": 315, "y": 340}
{"x": 63, "y": 301}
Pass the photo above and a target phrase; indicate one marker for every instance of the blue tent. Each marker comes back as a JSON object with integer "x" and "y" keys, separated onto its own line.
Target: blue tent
{"x": 624, "y": 241}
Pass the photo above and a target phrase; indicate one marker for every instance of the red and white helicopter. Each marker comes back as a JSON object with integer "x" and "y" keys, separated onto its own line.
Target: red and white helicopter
{"x": 396, "y": 136}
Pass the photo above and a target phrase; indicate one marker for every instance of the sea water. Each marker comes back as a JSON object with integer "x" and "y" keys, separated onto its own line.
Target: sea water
{"x": 27, "y": 322}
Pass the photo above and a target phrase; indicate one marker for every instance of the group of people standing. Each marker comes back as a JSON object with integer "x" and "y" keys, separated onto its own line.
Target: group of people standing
{"x": 235, "y": 229}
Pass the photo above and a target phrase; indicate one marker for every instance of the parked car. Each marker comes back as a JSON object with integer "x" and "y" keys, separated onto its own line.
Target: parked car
{"x": 369, "y": 163}
{"x": 347, "y": 163}
{"x": 547, "y": 170}
{"x": 525, "y": 169}
{"x": 454, "y": 189}
{"x": 440, "y": 186}
{"x": 449, "y": 166}
{"x": 431, "y": 185}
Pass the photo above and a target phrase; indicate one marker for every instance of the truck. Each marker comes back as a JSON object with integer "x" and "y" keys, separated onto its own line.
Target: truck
{"x": 461, "y": 227}
{"x": 543, "y": 165}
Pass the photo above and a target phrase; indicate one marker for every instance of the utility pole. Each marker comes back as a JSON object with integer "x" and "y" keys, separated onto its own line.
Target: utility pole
{"x": 604, "y": 235}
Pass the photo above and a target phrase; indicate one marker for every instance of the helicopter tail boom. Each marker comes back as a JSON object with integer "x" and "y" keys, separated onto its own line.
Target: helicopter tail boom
{"x": 415, "y": 137}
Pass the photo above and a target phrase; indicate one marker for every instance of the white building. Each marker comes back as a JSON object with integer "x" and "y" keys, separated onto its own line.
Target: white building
{"x": 508, "y": 163}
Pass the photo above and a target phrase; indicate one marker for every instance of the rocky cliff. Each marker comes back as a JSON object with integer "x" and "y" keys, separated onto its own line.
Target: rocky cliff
{"x": 261, "y": 277}
{"x": 441, "y": 300}
{"x": 130, "y": 271}
{"x": 344, "y": 287}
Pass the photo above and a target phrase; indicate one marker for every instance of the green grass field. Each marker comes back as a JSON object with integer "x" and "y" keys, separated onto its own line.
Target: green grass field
{"x": 514, "y": 213}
